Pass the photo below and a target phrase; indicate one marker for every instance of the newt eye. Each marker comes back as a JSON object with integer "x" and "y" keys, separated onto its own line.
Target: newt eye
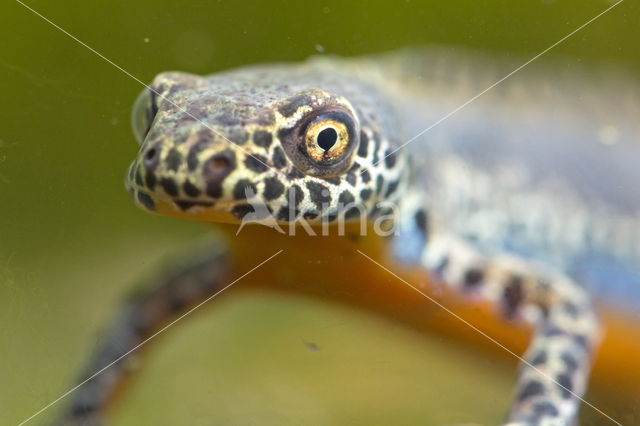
{"x": 326, "y": 140}
{"x": 325, "y": 135}
{"x": 142, "y": 115}
{"x": 323, "y": 144}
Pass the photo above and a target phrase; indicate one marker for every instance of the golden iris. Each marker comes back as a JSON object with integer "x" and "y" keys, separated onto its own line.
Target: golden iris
{"x": 326, "y": 140}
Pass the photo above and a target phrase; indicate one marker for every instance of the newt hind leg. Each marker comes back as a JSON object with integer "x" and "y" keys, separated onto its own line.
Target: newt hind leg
{"x": 141, "y": 316}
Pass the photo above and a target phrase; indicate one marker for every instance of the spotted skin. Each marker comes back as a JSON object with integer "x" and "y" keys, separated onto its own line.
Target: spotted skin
{"x": 556, "y": 366}
{"x": 213, "y": 137}
{"x": 212, "y": 145}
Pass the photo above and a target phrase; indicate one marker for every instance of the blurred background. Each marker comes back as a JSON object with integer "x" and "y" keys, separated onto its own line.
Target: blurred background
{"x": 72, "y": 244}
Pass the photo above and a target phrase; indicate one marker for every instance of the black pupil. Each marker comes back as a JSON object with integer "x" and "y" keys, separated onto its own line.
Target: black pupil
{"x": 327, "y": 138}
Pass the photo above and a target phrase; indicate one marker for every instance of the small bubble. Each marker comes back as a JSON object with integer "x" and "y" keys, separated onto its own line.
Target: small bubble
{"x": 326, "y": 10}
{"x": 319, "y": 48}
{"x": 146, "y": 39}
{"x": 115, "y": 121}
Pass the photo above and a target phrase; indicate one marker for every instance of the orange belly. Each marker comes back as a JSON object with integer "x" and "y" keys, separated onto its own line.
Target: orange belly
{"x": 329, "y": 267}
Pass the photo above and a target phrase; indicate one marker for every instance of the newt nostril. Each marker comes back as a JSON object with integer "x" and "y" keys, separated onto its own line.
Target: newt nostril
{"x": 151, "y": 158}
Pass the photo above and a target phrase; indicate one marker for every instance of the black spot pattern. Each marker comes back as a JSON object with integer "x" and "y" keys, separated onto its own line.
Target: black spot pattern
{"x": 570, "y": 361}
{"x": 186, "y": 205}
{"x": 262, "y": 138}
{"x": 256, "y": 163}
{"x": 365, "y": 194}
{"x": 288, "y": 213}
{"x": 146, "y": 201}
{"x": 150, "y": 180}
{"x": 352, "y": 174}
{"x": 553, "y": 331}
{"x": 442, "y": 266}
{"x": 391, "y": 188}
{"x": 83, "y": 409}
{"x": 363, "y": 148}
{"x": 376, "y": 139}
{"x": 473, "y": 277}
{"x": 241, "y": 210}
{"x": 421, "y": 221}
{"x": 203, "y": 141}
{"x": 331, "y": 217}
{"x": 319, "y": 194}
{"x": 289, "y": 108}
{"x": 379, "y": 184}
{"x": 279, "y": 158}
{"x": 531, "y": 389}
{"x": 566, "y": 386}
{"x": 294, "y": 195}
{"x": 241, "y": 188}
{"x": 390, "y": 159}
{"x": 310, "y": 215}
{"x": 169, "y": 186}
{"x": 214, "y": 189}
{"x": 540, "y": 358}
{"x": 346, "y": 198}
{"x": 513, "y": 295}
{"x": 173, "y": 160}
{"x": 571, "y": 309}
{"x": 192, "y": 158}
{"x": 352, "y": 178}
{"x": 545, "y": 409}
{"x": 283, "y": 213}
{"x": 238, "y": 135}
{"x": 366, "y": 176}
{"x": 333, "y": 180}
{"x": 217, "y": 168}
{"x": 295, "y": 173}
{"x": 190, "y": 189}
{"x": 273, "y": 188}
{"x": 581, "y": 340}
{"x": 353, "y": 212}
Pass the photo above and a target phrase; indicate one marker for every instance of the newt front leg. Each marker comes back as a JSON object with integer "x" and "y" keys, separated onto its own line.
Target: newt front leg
{"x": 555, "y": 368}
{"x": 139, "y": 318}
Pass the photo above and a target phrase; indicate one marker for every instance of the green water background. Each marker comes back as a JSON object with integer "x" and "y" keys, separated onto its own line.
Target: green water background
{"x": 72, "y": 244}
